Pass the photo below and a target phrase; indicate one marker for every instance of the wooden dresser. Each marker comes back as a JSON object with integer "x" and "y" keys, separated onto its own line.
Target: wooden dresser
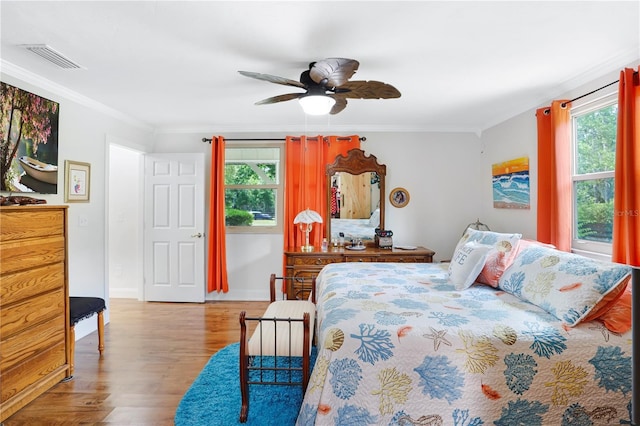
{"x": 307, "y": 264}
{"x": 34, "y": 303}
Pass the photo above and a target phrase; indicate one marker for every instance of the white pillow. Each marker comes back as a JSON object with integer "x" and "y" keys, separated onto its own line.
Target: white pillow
{"x": 467, "y": 262}
{"x": 374, "y": 220}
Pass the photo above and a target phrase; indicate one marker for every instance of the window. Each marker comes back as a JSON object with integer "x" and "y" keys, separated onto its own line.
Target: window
{"x": 253, "y": 189}
{"x": 594, "y": 152}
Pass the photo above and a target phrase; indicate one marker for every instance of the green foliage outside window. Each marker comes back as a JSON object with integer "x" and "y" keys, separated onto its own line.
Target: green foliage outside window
{"x": 250, "y": 197}
{"x": 596, "y": 147}
{"x": 235, "y": 217}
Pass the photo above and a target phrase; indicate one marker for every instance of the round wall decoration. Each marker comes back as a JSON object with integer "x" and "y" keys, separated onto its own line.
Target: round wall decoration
{"x": 399, "y": 197}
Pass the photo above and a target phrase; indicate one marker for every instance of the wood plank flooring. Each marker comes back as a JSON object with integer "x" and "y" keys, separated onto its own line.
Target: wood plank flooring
{"x": 153, "y": 352}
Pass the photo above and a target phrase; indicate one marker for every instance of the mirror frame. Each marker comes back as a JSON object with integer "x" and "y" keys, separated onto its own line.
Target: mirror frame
{"x": 356, "y": 162}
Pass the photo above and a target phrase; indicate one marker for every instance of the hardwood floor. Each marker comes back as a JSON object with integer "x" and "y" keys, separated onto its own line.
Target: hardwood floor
{"x": 153, "y": 352}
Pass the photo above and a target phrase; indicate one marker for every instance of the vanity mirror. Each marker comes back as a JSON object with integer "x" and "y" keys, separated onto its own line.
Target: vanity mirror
{"x": 355, "y": 196}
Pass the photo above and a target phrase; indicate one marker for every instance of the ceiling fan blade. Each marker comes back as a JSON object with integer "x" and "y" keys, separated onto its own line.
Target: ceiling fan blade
{"x": 367, "y": 90}
{"x": 333, "y": 72}
{"x": 272, "y": 79}
{"x": 341, "y": 103}
{"x": 280, "y": 98}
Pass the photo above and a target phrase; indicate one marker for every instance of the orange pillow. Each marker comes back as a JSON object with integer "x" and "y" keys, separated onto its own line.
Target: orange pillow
{"x": 500, "y": 259}
{"x": 497, "y": 261}
{"x": 618, "y": 317}
{"x": 608, "y": 301}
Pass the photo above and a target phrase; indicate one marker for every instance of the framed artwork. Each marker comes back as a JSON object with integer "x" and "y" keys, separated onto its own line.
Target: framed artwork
{"x": 77, "y": 181}
{"x": 510, "y": 179}
{"x": 28, "y": 142}
{"x": 399, "y": 197}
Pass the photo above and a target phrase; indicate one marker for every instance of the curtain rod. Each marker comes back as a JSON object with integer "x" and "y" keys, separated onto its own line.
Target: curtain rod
{"x": 635, "y": 74}
{"x": 362, "y": 139}
{"x": 591, "y": 92}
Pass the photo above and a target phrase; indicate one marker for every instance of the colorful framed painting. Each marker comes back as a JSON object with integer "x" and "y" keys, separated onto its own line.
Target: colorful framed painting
{"x": 511, "y": 188}
{"x": 77, "y": 181}
{"x": 28, "y": 142}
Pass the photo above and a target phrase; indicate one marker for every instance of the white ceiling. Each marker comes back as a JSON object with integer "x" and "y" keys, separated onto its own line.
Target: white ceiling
{"x": 460, "y": 66}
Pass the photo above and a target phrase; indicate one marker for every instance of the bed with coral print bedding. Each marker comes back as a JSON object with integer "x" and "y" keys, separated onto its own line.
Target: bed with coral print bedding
{"x": 397, "y": 344}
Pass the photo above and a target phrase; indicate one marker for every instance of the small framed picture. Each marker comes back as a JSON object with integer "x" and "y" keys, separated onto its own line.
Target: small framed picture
{"x": 77, "y": 181}
{"x": 399, "y": 197}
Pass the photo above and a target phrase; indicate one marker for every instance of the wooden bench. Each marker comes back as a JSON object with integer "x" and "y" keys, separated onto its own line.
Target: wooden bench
{"x": 278, "y": 352}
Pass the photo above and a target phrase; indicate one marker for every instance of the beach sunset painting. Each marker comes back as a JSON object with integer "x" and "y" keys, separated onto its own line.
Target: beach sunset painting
{"x": 511, "y": 188}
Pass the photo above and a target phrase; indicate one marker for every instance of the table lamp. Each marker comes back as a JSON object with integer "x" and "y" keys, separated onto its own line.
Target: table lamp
{"x": 305, "y": 220}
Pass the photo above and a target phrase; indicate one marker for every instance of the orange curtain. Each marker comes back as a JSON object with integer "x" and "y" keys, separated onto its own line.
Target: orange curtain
{"x": 305, "y": 181}
{"x": 217, "y": 263}
{"x": 554, "y": 175}
{"x": 626, "y": 218}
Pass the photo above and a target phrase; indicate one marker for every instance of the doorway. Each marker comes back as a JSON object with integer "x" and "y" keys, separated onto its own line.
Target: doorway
{"x": 124, "y": 215}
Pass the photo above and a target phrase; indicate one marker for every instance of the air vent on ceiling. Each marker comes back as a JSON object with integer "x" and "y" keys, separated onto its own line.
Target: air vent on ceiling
{"x": 52, "y": 56}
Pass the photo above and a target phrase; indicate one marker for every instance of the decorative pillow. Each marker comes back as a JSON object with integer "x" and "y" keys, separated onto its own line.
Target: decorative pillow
{"x": 501, "y": 258}
{"x": 618, "y": 317}
{"x": 467, "y": 263}
{"x": 607, "y": 301}
{"x": 503, "y": 253}
{"x": 566, "y": 285}
{"x": 374, "y": 220}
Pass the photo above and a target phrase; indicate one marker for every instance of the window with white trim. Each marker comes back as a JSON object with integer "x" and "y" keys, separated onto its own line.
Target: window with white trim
{"x": 594, "y": 152}
{"x": 253, "y": 188}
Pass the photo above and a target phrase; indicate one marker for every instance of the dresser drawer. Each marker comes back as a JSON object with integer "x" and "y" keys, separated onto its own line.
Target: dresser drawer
{"x": 23, "y": 347}
{"x": 25, "y": 284}
{"x": 30, "y": 223}
{"x": 20, "y": 377}
{"x": 363, "y": 258}
{"x": 30, "y": 253}
{"x": 31, "y": 312}
{"x": 312, "y": 260}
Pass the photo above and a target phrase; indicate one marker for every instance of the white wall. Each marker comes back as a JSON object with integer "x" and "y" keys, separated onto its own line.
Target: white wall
{"x": 514, "y": 138}
{"x": 82, "y": 137}
{"x": 441, "y": 173}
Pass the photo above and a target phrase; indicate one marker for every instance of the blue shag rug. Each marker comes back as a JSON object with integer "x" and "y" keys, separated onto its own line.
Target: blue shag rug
{"x": 214, "y": 396}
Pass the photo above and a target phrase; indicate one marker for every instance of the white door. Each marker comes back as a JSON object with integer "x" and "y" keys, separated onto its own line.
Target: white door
{"x": 174, "y": 228}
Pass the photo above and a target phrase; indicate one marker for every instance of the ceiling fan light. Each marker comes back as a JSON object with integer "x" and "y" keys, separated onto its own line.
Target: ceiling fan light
{"x": 317, "y": 104}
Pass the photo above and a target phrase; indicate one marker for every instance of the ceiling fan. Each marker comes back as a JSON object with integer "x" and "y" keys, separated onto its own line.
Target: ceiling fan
{"x": 327, "y": 80}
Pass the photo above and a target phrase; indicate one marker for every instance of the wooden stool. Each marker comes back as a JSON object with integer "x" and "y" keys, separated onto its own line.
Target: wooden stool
{"x": 79, "y": 309}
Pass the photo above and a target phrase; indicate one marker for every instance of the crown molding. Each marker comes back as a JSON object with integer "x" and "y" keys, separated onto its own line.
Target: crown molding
{"x": 563, "y": 89}
{"x": 29, "y": 77}
{"x": 308, "y": 129}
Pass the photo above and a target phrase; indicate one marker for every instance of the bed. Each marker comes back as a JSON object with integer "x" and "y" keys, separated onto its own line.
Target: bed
{"x": 399, "y": 344}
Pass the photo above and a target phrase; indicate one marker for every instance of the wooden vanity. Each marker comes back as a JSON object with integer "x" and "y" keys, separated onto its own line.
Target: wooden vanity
{"x": 364, "y": 179}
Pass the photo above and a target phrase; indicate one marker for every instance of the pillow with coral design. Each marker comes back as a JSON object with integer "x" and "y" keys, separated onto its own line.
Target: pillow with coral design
{"x": 569, "y": 286}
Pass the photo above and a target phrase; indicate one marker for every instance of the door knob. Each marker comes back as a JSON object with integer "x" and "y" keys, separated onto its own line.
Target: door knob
{"x": 198, "y": 235}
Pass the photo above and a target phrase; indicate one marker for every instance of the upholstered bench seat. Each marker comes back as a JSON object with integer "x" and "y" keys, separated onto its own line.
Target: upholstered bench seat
{"x": 81, "y": 308}
{"x": 288, "y": 337}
